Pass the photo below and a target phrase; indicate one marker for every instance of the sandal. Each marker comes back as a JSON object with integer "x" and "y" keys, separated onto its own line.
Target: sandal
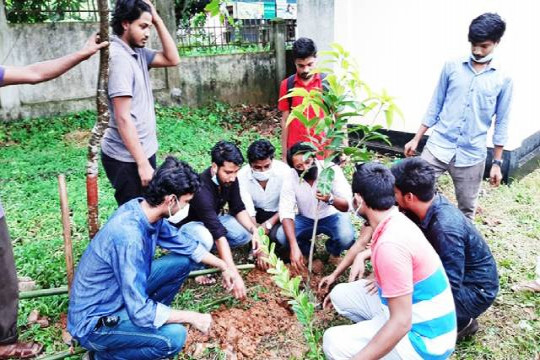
{"x": 20, "y": 350}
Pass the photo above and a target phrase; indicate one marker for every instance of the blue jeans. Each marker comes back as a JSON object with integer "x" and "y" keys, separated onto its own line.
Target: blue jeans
{"x": 128, "y": 341}
{"x": 337, "y": 227}
{"x": 236, "y": 236}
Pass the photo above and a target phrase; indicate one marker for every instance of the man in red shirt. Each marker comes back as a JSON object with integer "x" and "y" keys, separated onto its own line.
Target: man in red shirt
{"x": 305, "y": 59}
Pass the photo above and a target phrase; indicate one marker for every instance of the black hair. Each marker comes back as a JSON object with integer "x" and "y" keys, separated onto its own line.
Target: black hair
{"x": 173, "y": 177}
{"x": 375, "y": 184}
{"x": 260, "y": 150}
{"x": 486, "y": 27}
{"x": 127, "y": 10}
{"x": 299, "y": 148}
{"x": 226, "y": 151}
{"x": 303, "y": 48}
{"x": 416, "y": 176}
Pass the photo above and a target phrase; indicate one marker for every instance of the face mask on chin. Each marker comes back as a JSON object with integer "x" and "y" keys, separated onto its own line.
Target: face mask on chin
{"x": 483, "y": 60}
{"x": 179, "y": 215}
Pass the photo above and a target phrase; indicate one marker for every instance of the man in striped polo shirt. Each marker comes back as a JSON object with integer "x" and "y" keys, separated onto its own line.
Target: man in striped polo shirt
{"x": 413, "y": 315}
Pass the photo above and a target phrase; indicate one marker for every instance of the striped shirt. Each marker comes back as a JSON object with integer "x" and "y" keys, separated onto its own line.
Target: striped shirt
{"x": 405, "y": 263}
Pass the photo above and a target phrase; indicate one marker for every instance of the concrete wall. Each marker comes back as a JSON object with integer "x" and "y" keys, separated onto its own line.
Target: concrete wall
{"x": 239, "y": 78}
{"x": 315, "y": 20}
{"x": 242, "y": 78}
{"x": 402, "y": 45}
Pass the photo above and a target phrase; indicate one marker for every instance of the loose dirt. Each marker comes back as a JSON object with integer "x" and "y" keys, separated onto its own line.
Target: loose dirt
{"x": 263, "y": 328}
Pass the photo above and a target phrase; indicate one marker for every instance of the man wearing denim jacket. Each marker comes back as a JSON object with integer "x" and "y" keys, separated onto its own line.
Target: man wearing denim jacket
{"x": 472, "y": 93}
{"x": 466, "y": 256}
{"x": 121, "y": 296}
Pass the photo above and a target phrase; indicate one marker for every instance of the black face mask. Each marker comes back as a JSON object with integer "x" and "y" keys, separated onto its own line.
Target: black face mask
{"x": 309, "y": 175}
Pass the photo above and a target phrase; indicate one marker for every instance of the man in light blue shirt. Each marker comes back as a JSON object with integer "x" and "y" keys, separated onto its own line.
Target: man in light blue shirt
{"x": 120, "y": 299}
{"x": 470, "y": 93}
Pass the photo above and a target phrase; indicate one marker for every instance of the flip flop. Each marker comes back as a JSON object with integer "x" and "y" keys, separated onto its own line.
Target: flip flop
{"x": 20, "y": 350}
{"x": 532, "y": 286}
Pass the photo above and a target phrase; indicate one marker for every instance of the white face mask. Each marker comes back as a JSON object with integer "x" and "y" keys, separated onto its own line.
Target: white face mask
{"x": 179, "y": 215}
{"x": 483, "y": 60}
{"x": 262, "y": 175}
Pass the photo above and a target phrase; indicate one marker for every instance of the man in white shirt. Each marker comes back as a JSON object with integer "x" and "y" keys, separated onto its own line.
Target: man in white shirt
{"x": 300, "y": 190}
{"x": 260, "y": 185}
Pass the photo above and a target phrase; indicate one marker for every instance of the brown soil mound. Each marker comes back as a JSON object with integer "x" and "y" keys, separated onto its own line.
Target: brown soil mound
{"x": 264, "y": 328}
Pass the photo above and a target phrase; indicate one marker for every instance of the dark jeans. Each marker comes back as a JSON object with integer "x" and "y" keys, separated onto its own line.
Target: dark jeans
{"x": 337, "y": 227}
{"x": 124, "y": 177}
{"x": 471, "y": 302}
{"x": 128, "y": 341}
{"x": 9, "y": 295}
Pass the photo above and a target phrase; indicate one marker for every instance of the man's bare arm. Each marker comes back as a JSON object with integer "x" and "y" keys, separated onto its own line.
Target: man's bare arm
{"x": 128, "y": 133}
{"x": 392, "y": 331}
{"x": 47, "y": 70}
{"x": 169, "y": 55}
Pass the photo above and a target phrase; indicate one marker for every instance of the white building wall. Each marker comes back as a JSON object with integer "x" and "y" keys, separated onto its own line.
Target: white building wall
{"x": 402, "y": 46}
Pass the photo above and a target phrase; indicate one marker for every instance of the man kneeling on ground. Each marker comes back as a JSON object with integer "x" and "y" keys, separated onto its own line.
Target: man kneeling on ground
{"x": 207, "y": 221}
{"x": 413, "y": 315}
{"x": 260, "y": 186}
{"x": 300, "y": 190}
{"x": 120, "y": 299}
{"x": 466, "y": 257}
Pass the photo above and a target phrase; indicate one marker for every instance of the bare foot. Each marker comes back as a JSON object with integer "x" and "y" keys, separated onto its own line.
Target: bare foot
{"x": 205, "y": 280}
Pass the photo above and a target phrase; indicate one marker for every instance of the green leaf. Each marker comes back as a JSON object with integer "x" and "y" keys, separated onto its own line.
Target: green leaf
{"x": 325, "y": 179}
{"x": 213, "y": 7}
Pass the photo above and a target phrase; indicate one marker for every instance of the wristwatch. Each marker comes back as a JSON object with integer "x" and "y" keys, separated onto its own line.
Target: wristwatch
{"x": 330, "y": 200}
{"x": 497, "y": 162}
{"x": 268, "y": 225}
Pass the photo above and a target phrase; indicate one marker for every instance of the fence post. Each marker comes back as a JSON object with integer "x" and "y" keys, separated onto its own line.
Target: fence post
{"x": 278, "y": 45}
{"x": 166, "y": 11}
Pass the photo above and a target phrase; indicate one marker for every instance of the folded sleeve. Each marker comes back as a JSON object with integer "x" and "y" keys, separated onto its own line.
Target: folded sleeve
{"x": 502, "y": 114}
{"x": 287, "y": 198}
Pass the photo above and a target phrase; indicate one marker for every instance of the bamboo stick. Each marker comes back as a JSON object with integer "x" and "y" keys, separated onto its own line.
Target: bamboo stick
{"x": 64, "y": 289}
{"x": 66, "y": 225}
{"x": 62, "y": 354}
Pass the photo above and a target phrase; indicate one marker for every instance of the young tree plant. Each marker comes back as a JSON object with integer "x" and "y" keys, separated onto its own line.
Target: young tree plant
{"x": 344, "y": 96}
{"x": 299, "y": 299}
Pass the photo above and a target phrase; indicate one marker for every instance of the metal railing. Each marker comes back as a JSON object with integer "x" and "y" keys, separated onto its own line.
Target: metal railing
{"x": 248, "y": 35}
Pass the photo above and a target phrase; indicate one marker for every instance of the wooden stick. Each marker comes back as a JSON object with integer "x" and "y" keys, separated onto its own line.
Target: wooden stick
{"x": 68, "y": 247}
{"x": 62, "y": 354}
{"x": 64, "y": 289}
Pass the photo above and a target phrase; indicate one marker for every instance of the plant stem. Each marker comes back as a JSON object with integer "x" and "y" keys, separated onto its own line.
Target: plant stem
{"x": 312, "y": 246}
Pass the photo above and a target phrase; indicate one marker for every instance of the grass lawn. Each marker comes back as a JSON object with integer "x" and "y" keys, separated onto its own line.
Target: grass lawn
{"x": 34, "y": 151}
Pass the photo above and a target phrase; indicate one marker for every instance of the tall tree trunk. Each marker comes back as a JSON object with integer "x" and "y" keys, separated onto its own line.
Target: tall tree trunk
{"x": 101, "y": 124}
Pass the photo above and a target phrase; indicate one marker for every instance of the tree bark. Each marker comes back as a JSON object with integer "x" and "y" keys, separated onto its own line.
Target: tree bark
{"x": 102, "y": 122}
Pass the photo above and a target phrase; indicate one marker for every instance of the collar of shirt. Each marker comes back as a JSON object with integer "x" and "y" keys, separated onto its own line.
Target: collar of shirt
{"x": 117, "y": 40}
{"x": 429, "y": 214}
{"x": 382, "y": 225}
